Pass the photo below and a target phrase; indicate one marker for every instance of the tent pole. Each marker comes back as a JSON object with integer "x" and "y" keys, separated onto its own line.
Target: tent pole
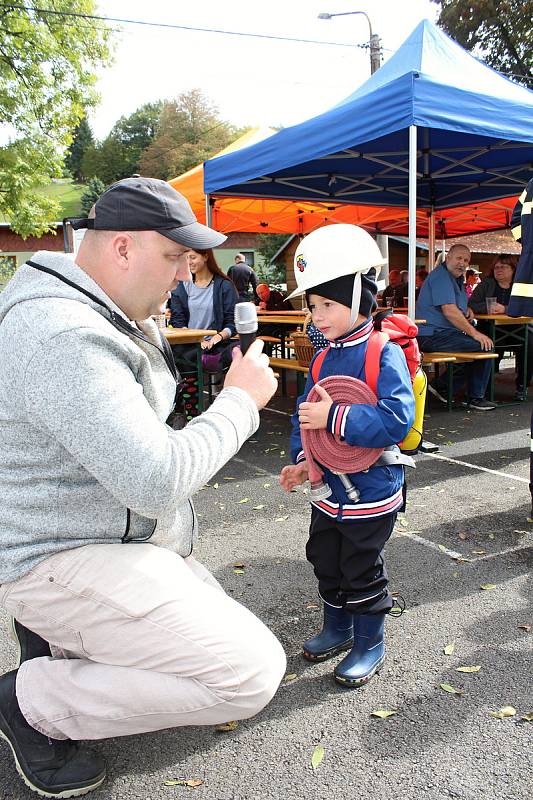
{"x": 431, "y": 240}
{"x": 208, "y": 211}
{"x": 412, "y": 221}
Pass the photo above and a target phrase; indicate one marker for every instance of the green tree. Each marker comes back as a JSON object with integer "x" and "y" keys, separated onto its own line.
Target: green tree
{"x": 83, "y": 139}
{"x": 47, "y": 65}
{"x": 267, "y": 246}
{"x": 499, "y": 30}
{"x": 119, "y": 155}
{"x": 190, "y": 131}
{"x": 94, "y": 189}
{"x": 8, "y": 265}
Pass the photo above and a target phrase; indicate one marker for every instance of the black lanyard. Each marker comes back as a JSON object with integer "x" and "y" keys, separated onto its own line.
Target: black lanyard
{"x": 117, "y": 320}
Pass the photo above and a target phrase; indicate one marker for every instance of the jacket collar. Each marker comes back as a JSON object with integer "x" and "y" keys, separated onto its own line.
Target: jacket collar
{"x": 360, "y": 335}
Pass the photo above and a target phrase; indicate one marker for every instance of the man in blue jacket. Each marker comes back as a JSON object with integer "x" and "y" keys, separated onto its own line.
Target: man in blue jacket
{"x": 448, "y": 327}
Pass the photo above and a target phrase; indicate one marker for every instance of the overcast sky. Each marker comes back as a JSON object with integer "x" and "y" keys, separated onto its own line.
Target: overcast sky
{"x": 251, "y": 81}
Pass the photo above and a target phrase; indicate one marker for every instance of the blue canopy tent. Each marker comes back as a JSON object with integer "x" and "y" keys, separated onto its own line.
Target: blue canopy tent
{"x": 432, "y": 129}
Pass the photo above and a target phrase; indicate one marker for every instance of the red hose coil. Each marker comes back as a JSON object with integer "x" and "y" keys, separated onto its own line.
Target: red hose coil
{"x": 323, "y": 447}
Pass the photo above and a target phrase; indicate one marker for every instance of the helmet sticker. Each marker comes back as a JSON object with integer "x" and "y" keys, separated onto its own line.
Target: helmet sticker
{"x": 301, "y": 263}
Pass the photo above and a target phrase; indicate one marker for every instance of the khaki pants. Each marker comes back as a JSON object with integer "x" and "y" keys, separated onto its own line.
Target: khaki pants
{"x": 142, "y": 639}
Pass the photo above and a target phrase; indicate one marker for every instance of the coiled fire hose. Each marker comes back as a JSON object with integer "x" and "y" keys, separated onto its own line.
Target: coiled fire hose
{"x": 322, "y": 447}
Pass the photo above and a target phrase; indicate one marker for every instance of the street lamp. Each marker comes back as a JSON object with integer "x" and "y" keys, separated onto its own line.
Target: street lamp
{"x": 375, "y": 46}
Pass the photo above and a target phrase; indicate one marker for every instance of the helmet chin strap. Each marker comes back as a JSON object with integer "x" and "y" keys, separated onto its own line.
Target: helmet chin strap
{"x": 356, "y": 298}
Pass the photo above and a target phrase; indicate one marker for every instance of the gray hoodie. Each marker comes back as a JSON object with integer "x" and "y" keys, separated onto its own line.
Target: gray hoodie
{"x": 85, "y": 454}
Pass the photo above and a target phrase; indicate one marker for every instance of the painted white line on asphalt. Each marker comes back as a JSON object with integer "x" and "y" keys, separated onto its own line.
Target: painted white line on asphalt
{"x": 481, "y": 469}
{"x": 502, "y": 552}
{"x": 432, "y": 546}
{"x": 264, "y": 472}
{"x": 275, "y": 411}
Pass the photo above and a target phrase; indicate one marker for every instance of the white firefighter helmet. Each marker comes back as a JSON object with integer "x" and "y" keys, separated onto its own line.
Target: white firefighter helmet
{"x": 332, "y": 251}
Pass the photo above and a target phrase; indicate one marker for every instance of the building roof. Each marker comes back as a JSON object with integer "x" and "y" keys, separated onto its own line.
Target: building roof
{"x": 495, "y": 242}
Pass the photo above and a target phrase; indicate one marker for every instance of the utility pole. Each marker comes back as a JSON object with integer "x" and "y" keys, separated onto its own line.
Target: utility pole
{"x": 375, "y": 44}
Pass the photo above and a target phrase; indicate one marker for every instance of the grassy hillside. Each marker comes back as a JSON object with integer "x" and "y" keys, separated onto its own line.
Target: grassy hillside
{"x": 68, "y": 195}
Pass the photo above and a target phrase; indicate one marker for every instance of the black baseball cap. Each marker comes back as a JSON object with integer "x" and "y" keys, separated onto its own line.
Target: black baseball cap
{"x": 149, "y": 204}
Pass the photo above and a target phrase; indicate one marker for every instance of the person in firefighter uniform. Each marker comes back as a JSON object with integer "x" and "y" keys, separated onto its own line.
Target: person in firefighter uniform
{"x": 335, "y": 267}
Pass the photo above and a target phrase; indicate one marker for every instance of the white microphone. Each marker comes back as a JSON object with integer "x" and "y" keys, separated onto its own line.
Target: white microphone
{"x": 246, "y": 324}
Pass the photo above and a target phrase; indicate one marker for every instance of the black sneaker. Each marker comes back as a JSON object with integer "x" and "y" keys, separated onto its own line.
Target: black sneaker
{"x": 479, "y": 404}
{"x": 50, "y": 767}
{"x": 437, "y": 394}
{"x": 30, "y": 645}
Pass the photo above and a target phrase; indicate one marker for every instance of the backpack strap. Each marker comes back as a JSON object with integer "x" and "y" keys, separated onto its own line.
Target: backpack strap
{"x": 316, "y": 366}
{"x": 376, "y": 343}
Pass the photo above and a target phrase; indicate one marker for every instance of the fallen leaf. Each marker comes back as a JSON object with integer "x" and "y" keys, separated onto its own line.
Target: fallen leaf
{"x": 478, "y": 552}
{"x": 506, "y": 711}
{"x": 281, "y": 453}
{"x": 227, "y": 478}
{"x": 266, "y": 486}
{"x": 290, "y": 676}
{"x": 462, "y": 536}
{"x": 183, "y": 782}
{"x": 468, "y": 669}
{"x": 527, "y": 717}
{"x": 215, "y": 486}
{"x": 281, "y": 519}
{"x": 487, "y": 586}
{"x": 448, "y": 650}
{"x": 517, "y": 531}
{"x": 382, "y": 713}
{"x": 238, "y": 572}
{"x": 244, "y": 500}
{"x": 442, "y": 548}
{"x": 239, "y": 565}
{"x": 403, "y": 522}
{"x": 491, "y": 536}
{"x": 525, "y": 627}
{"x": 257, "y": 508}
{"x": 446, "y": 687}
{"x": 227, "y": 726}
{"x": 315, "y": 605}
{"x": 318, "y": 755}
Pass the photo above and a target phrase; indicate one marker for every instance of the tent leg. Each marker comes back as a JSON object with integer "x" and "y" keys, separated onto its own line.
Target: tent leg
{"x": 412, "y": 220}
{"x": 431, "y": 240}
{"x": 208, "y": 211}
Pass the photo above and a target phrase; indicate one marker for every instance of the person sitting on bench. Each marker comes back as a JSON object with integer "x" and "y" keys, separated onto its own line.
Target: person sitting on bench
{"x": 443, "y": 303}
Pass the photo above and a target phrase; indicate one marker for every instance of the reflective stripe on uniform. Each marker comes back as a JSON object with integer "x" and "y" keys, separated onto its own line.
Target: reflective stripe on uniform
{"x": 522, "y": 290}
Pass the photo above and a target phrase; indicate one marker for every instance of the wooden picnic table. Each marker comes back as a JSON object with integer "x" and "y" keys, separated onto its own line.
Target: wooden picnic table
{"x": 186, "y": 335}
{"x": 507, "y": 338}
{"x": 191, "y": 336}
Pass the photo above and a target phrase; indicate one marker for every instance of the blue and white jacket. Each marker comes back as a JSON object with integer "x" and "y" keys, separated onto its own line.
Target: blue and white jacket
{"x": 364, "y": 425}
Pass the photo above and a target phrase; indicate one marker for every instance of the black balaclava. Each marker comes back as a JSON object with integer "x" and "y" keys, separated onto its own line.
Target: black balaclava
{"x": 341, "y": 290}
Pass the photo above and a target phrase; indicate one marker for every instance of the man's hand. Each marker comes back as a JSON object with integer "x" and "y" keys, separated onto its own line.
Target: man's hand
{"x": 207, "y": 344}
{"x": 485, "y": 341}
{"x": 497, "y": 308}
{"x": 314, "y": 416}
{"x": 469, "y": 314}
{"x": 252, "y": 373}
{"x": 293, "y": 475}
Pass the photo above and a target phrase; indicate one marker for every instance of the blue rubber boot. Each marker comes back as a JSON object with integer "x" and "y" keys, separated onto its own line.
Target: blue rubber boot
{"x": 335, "y": 636}
{"x": 367, "y": 655}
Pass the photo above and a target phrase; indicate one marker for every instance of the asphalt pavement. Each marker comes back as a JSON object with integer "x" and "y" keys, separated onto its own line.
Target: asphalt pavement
{"x": 466, "y": 527}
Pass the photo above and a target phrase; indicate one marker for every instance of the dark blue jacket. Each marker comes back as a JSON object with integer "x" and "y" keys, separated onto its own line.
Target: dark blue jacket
{"x": 224, "y": 299}
{"x": 383, "y": 425}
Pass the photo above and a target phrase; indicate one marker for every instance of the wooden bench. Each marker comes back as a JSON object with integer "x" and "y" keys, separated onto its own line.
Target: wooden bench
{"x": 284, "y": 364}
{"x": 452, "y": 359}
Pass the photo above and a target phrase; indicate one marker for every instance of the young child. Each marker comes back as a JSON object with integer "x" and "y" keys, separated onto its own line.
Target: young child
{"x": 335, "y": 267}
